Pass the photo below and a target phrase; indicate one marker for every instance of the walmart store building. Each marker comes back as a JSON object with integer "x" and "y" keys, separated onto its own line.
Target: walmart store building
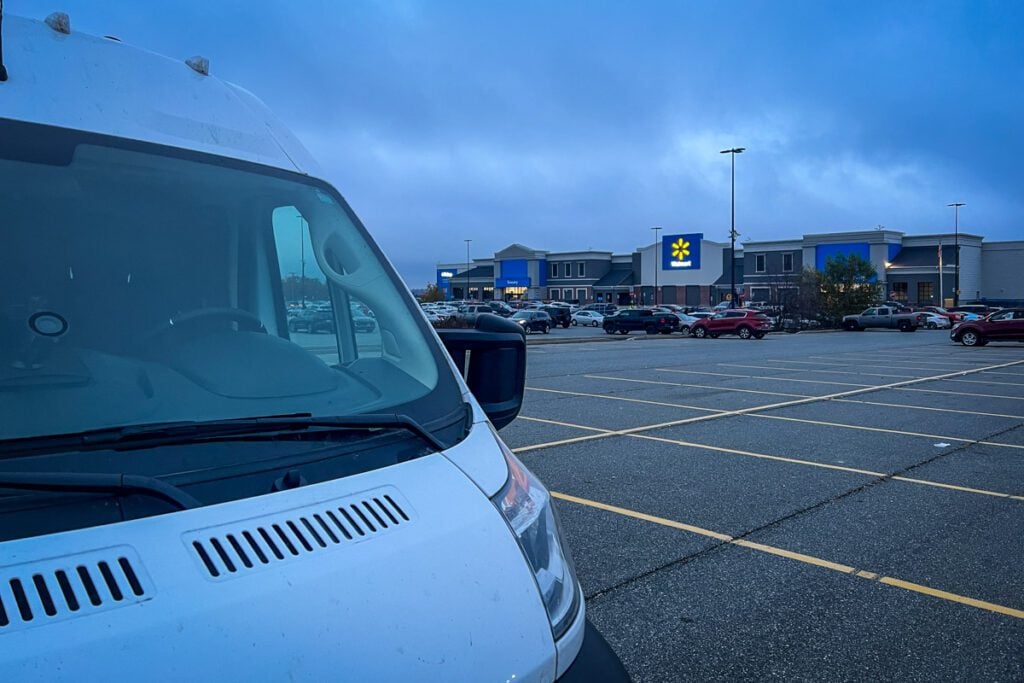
{"x": 688, "y": 270}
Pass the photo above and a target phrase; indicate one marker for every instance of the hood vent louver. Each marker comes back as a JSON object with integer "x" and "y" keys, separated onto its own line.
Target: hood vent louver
{"x": 38, "y": 593}
{"x": 234, "y": 549}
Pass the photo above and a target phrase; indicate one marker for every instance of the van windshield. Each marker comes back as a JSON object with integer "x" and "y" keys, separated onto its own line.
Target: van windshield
{"x": 144, "y": 285}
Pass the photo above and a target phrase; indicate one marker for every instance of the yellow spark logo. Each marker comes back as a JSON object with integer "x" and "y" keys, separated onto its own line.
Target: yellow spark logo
{"x": 680, "y": 249}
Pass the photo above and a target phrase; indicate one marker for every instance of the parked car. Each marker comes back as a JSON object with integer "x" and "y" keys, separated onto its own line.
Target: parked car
{"x": 560, "y": 315}
{"x": 743, "y": 323}
{"x": 311, "y": 320}
{"x": 501, "y": 308}
{"x": 1004, "y": 325}
{"x": 953, "y": 316}
{"x": 882, "y": 316}
{"x": 363, "y": 323}
{"x": 603, "y": 309}
{"x": 587, "y": 318}
{"x": 470, "y": 312}
{"x": 935, "y": 321}
{"x": 686, "y": 322}
{"x": 634, "y": 319}
{"x": 533, "y": 321}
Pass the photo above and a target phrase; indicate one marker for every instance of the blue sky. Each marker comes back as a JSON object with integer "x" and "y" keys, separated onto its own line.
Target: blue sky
{"x": 570, "y": 125}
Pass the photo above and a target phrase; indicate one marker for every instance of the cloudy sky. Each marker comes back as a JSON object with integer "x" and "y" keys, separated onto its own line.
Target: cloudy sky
{"x": 565, "y": 125}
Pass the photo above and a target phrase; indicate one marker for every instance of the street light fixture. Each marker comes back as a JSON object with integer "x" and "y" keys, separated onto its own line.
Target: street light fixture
{"x": 657, "y": 253}
{"x": 732, "y": 230}
{"x": 956, "y": 252}
{"x": 466, "y": 293}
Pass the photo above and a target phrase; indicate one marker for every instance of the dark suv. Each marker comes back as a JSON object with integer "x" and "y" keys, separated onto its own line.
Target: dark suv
{"x": 560, "y": 315}
{"x": 533, "y": 321}
{"x": 743, "y": 323}
{"x": 633, "y": 319}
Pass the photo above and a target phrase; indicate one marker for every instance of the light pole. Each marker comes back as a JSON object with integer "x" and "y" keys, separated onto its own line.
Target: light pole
{"x": 732, "y": 231}
{"x": 302, "y": 257}
{"x": 956, "y": 252}
{"x": 656, "y": 229}
{"x": 466, "y": 293}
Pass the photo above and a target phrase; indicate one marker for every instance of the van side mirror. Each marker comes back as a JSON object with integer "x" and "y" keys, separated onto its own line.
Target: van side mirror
{"x": 492, "y": 359}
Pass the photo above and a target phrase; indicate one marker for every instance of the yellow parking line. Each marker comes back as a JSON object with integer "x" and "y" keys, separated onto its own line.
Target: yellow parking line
{"x": 765, "y": 456}
{"x": 798, "y": 557}
{"x": 719, "y": 410}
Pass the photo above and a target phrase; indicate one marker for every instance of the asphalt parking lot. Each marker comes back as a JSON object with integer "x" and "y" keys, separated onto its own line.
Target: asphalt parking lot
{"x": 813, "y": 506}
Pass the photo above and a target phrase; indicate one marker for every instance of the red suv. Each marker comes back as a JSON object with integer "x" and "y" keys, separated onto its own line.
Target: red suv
{"x": 1004, "y": 325}
{"x": 743, "y": 323}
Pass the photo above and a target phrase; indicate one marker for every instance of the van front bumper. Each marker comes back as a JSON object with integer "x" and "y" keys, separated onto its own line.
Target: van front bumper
{"x": 596, "y": 661}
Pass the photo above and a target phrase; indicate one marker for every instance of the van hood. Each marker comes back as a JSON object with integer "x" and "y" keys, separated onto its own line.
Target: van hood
{"x": 406, "y": 572}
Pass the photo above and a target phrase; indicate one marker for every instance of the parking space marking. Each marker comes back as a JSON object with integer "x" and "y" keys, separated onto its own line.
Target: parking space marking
{"x": 874, "y": 364}
{"x": 871, "y": 374}
{"x": 838, "y": 400}
{"x": 699, "y": 386}
{"x": 865, "y": 428}
{"x": 777, "y": 458}
{"x": 798, "y": 557}
{"x": 895, "y": 387}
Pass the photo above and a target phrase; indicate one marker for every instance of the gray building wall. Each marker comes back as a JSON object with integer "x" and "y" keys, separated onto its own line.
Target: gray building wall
{"x": 773, "y": 264}
{"x": 1002, "y": 270}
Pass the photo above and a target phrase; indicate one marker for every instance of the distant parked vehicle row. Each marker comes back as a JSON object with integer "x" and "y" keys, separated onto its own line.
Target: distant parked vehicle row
{"x": 636, "y": 319}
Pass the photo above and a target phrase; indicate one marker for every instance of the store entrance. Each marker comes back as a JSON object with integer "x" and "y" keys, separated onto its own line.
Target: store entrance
{"x": 514, "y": 293}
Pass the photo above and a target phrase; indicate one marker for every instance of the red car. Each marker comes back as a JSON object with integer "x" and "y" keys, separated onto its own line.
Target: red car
{"x": 743, "y": 323}
{"x": 954, "y": 316}
{"x": 1004, "y": 325}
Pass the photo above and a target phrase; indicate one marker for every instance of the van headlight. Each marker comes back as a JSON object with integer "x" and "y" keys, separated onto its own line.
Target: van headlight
{"x": 526, "y": 506}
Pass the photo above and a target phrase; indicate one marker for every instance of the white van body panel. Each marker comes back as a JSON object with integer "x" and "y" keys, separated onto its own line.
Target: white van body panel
{"x": 444, "y": 595}
{"x": 422, "y": 598}
{"x": 94, "y": 84}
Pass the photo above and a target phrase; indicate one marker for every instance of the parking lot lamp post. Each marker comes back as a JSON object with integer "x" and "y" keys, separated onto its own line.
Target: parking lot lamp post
{"x": 302, "y": 258}
{"x": 657, "y": 255}
{"x": 956, "y": 252}
{"x": 465, "y": 294}
{"x": 732, "y": 231}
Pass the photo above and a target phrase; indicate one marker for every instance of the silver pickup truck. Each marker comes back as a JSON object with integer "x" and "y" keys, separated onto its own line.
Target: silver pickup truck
{"x": 881, "y": 316}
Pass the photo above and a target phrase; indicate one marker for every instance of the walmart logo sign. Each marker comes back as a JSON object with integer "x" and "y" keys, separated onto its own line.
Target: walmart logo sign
{"x": 681, "y": 252}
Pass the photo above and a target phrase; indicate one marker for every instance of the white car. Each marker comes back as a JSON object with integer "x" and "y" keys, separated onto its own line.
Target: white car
{"x": 934, "y": 321}
{"x": 686, "y": 321}
{"x": 587, "y": 318}
{"x": 216, "y": 500}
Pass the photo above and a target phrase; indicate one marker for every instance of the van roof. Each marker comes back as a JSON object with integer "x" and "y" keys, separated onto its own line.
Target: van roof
{"x": 101, "y": 85}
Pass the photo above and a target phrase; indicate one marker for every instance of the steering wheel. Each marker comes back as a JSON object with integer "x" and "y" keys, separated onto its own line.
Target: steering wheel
{"x": 247, "y": 322}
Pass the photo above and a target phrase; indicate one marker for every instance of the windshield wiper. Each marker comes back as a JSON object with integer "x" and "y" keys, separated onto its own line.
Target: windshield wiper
{"x": 98, "y": 482}
{"x": 168, "y": 433}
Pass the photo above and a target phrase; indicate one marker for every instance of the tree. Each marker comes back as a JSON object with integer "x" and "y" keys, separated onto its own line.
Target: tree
{"x": 432, "y": 293}
{"x": 848, "y": 285}
{"x": 808, "y": 304}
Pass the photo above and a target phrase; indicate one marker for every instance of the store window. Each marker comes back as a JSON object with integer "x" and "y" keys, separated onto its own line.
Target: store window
{"x": 553, "y": 293}
{"x": 581, "y": 294}
{"x": 925, "y": 292}
{"x": 760, "y": 295}
{"x": 567, "y": 269}
{"x": 566, "y": 294}
{"x": 554, "y": 270}
{"x": 581, "y": 269}
{"x": 901, "y": 291}
{"x": 759, "y": 263}
{"x": 787, "y": 262}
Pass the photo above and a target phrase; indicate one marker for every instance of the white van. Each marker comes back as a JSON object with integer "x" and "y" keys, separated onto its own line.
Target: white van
{"x": 189, "y": 491}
